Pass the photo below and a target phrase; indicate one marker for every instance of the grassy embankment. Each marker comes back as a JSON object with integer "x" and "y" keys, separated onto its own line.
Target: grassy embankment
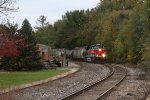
{"x": 9, "y": 79}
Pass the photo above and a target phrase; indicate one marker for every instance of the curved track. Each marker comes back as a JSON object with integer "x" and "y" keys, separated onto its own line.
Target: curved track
{"x": 98, "y": 90}
{"x": 89, "y": 74}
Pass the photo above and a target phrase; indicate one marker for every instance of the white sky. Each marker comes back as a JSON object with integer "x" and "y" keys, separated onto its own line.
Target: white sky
{"x": 52, "y": 9}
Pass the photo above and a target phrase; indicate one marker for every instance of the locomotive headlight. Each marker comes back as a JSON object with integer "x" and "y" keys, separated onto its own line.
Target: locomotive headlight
{"x": 100, "y": 50}
{"x": 104, "y": 55}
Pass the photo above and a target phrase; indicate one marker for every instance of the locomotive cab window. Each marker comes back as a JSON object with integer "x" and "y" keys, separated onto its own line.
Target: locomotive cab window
{"x": 95, "y": 47}
{"x": 100, "y": 46}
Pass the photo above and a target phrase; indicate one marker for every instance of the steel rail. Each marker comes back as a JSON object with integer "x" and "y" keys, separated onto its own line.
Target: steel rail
{"x": 75, "y": 93}
{"x": 110, "y": 89}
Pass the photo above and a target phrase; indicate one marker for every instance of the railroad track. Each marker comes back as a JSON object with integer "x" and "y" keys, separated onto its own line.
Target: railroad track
{"x": 101, "y": 88}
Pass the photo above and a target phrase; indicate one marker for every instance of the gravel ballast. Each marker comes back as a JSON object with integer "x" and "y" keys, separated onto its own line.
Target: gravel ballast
{"x": 133, "y": 88}
{"x": 59, "y": 88}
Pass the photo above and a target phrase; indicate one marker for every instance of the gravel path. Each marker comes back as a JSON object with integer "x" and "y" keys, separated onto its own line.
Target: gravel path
{"x": 59, "y": 88}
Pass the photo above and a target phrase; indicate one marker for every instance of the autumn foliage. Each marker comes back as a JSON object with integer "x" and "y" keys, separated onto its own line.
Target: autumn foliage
{"x": 8, "y": 46}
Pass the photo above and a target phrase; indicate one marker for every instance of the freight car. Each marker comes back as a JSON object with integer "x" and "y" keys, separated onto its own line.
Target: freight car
{"x": 91, "y": 53}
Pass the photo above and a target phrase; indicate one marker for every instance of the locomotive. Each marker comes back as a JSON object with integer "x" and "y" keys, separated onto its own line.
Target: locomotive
{"x": 91, "y": 53}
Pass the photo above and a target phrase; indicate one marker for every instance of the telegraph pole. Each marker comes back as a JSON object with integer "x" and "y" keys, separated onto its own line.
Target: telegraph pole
{"x": 64, "y": 58}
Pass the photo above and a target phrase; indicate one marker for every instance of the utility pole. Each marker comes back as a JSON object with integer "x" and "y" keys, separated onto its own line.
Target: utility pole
{"x": 64, "y": 58}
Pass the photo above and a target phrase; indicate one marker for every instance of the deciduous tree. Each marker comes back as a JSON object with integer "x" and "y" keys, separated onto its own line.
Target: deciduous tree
{"x": 8, "y": 47}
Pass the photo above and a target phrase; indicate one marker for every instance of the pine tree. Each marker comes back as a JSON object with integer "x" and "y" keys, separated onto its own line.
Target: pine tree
{"x": 29, "y": 57}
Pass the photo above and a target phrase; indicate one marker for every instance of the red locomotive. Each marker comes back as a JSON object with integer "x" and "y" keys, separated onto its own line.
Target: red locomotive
{"x": 95, "y": 53}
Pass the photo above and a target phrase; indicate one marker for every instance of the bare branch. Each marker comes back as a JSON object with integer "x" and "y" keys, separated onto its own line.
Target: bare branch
{"x": 3, "y": 2}
{"x": 7, "y": 6}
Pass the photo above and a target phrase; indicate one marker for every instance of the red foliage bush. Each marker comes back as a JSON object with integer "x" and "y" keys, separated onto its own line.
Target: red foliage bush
{"x": 8, "y": 46}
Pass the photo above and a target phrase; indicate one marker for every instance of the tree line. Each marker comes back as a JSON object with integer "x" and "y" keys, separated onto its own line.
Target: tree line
{"x": 122, "y": 26}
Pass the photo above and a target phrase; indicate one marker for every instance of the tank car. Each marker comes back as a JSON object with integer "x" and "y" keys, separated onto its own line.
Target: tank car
{"x": 78, "y": 52}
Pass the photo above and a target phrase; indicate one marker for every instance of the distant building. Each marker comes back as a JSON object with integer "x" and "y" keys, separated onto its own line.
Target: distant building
{"x": 45, "y": 52}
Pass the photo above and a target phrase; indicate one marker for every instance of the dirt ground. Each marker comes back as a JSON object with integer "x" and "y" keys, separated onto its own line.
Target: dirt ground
{"x": 135, "y": 87}
{"x": 148, "y": 79}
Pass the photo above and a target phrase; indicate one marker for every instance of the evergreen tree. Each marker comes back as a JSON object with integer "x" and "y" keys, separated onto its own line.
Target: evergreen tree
{"x": 30, "y": 58}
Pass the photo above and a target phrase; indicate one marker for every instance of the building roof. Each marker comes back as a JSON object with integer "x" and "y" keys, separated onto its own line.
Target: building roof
{"x": 43, "y": 46}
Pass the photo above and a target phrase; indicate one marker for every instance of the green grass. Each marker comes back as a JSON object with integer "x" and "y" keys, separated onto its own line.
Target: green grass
{"x": 9, "y": 79}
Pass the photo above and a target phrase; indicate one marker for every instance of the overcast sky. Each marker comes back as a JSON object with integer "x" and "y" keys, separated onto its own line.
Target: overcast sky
{"x": 52, "y": 9}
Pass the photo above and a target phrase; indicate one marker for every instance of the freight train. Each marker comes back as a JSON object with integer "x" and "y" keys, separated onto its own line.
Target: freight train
{"x": 91, "y": 53}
